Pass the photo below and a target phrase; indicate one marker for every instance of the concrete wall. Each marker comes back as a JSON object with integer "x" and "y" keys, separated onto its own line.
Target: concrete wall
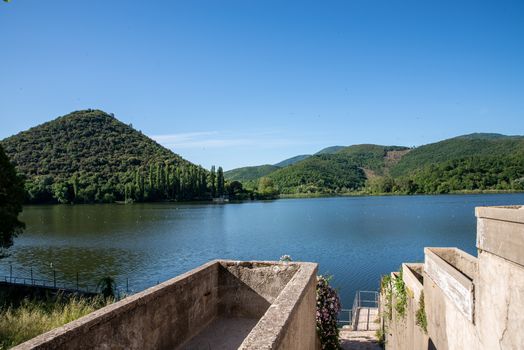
{"x": 402, "y": 333}
{"x": 472, "y": 303}
{"x": 290, "y": 321}
{"x": 500, "y": 288}
{"x": 162, "y": 317}
{"x": 280, "y": 295}
{"x": 246, "y": 289}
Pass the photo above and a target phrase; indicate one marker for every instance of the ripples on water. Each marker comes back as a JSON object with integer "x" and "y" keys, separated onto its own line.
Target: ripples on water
{"x": 356, "y": 239}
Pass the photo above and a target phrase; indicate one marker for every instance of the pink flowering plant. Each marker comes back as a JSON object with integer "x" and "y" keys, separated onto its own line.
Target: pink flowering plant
{"x": 328, "y": 307}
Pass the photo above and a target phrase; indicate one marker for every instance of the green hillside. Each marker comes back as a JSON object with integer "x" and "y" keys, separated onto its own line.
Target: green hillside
{"x": 375, "y": 158}
{"x": 326, "y": 173}
{"x": 342, "y": 171}
{"x": 475, "y": 162}
{"x": 457, "y": 148}
{"x": 250, "y": 173}
{"x": 292, "y": 160}
{"x": 90, "y": 156}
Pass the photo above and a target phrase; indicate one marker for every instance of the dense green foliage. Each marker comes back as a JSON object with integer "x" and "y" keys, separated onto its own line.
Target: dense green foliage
{"x": 371, "y": 157}
{"x": 327, "y": 173}
{"x": 462, "y": 147}
{"x": 340, "y": 172}
{"x": 292, "y": 160}
{"x": 89, "y": 156}
{"x": 11, "y": 199}
{"x": 476, "y": 162}
{"x": 475, "y": 173}
{"x": 250, "y": 173}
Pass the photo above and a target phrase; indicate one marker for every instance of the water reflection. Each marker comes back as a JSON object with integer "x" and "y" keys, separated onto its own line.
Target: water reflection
{"x": 355, "y": 239}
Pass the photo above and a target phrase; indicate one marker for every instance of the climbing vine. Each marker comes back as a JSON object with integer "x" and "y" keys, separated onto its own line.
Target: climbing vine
{"x": 400, "y": 295}
{"x": 420, "y": 317}
{"x": 385, "y": 289}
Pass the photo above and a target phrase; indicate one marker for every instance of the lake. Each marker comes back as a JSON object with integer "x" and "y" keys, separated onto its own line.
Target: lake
{"x": 355, "y": 239}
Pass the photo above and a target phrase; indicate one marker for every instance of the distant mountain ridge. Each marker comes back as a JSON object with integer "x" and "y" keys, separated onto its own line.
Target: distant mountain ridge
{"x": 250, "y": 173}
{"x": 292, "y": 160}
{"x": 463, "y": 163}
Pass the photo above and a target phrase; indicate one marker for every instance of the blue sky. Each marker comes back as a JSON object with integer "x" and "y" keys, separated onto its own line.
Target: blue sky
{"x": 238, "y": 83}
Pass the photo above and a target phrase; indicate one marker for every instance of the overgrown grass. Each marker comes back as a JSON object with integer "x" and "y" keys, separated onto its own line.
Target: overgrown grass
{"x": 31, "y": 317}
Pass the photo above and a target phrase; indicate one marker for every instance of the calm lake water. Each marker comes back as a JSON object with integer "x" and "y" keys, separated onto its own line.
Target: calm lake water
{"x": 355, "y": 239}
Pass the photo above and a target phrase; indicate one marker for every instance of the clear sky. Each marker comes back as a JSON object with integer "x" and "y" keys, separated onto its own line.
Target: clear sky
{"x": 248, "y": 82}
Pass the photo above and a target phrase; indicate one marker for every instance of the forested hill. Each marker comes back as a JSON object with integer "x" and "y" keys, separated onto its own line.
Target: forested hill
{"x": 90, "y": 156}
{"x": 461, "y": 147}
{"x": 345, "y": 170}
{"x": 474, "y": 162}
{"x": 250, "y": 173}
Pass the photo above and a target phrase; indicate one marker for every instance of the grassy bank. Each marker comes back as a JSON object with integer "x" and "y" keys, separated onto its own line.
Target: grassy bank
{"x": 31, "y": 317}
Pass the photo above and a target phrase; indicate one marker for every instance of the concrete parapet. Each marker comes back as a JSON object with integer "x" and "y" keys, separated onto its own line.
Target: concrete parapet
{"x": 454, "y": 272}
{"x": 222, "y": 304}
{"x": 500, "y": 240}
{"x": 471, "y": 303}
{"x": 412, "y": 275}
{"x": 500, "y": 231}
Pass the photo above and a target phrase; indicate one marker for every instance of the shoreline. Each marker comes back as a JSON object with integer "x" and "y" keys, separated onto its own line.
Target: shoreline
{"x": 295, "y": 196}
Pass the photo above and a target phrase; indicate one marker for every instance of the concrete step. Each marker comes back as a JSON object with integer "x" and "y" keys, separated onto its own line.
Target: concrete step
{"x": 358, "y": 340}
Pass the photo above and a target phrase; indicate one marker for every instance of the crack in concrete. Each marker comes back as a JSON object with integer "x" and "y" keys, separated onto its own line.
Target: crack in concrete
{"x": 506, "y": 322}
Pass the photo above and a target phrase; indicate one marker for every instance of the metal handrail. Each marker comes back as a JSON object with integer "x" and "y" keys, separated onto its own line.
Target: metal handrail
{"x": 360, "y": 300}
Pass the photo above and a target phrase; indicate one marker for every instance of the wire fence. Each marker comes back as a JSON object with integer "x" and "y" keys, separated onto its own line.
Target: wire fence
{"x": 75, "y": 286}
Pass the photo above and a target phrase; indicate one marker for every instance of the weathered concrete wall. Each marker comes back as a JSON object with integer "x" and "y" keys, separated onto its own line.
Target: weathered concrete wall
{"x": 402, "y": 332}
{"x": 246, "y": 289}
{"x": 473, "y": 303}
{"x": 448, "y": 327}
{"x": 162, "y": 317}
{"x": 281, "y": 296}
{"x": 500, "y": 287}
{"x": 290, "y": 321}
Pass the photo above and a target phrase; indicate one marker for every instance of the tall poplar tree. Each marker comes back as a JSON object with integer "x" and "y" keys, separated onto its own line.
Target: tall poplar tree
{"x": 220, "y": 181}
{"x": 212, "y": 181}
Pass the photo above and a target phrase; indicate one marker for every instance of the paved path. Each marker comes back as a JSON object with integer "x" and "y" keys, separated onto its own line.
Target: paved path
{"x": 364, "y": 338}
{"x": 358, "y": 340}
{"x": 367, "y": 319}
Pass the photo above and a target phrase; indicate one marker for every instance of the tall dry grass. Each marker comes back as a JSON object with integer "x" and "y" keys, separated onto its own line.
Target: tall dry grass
{"x": 31, "y": 318}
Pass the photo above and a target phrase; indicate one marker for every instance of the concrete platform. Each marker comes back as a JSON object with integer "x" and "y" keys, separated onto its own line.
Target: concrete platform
{"x": 367, "y": 319}
{"x": 222, "y": 334}
{"x": 358, "y": 340}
